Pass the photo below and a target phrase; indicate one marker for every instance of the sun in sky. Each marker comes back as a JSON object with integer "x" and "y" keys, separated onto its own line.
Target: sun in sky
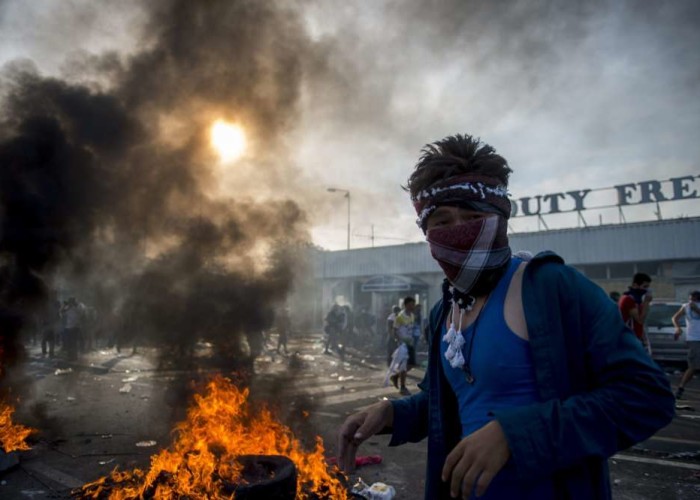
{"x": 228, "y": 139}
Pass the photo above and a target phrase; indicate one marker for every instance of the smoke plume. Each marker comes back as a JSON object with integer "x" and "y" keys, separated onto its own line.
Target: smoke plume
{"x": 110, "y": 192}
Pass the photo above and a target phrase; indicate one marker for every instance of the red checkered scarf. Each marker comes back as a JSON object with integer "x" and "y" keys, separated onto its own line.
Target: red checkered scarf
{"x": 466, "y": 251}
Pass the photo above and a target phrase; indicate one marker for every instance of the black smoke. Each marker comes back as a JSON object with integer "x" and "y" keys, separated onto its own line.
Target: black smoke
{"x": 108, "y": 190}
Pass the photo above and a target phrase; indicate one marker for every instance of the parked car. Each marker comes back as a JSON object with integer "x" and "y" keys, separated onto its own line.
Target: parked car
{"x": 659, "y": 330}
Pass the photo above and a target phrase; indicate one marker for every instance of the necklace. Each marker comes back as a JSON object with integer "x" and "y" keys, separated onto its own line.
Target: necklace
{"x": 467, "y": 362}
{"x": 455, "y": 341}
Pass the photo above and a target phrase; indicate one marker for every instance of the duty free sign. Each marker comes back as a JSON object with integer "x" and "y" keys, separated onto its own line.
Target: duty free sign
{"x": 638, "y": 193}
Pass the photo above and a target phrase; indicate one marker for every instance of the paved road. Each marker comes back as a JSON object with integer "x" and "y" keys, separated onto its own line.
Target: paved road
{"x": 89, "y": 426}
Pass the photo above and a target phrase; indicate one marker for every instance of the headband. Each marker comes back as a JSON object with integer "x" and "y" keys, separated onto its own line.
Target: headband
{"x": 478, "y": 192}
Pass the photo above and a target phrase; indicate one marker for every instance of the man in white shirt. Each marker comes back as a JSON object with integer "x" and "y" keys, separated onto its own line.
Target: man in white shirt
{"x": 691, "y": 311}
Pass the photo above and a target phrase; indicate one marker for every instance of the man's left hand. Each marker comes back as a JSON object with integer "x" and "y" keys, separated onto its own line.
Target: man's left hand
{"x": 476, "y": 460}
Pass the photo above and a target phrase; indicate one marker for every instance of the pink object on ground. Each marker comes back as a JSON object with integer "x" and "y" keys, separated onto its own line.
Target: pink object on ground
{"x": 360, "y": 461}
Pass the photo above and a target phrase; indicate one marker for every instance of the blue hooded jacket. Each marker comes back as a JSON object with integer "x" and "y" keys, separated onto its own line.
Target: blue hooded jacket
{"x": 599, "y": 390}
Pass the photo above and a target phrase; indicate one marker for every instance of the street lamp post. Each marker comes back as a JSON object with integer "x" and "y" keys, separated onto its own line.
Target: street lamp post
{"x": 347, "y": 196}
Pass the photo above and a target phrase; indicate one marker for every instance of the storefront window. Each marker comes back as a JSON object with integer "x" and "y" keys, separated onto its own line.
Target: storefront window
{"x": 651, "y": 267}
{"x": 596, "y": 271}
{"x": 624, "y": 270}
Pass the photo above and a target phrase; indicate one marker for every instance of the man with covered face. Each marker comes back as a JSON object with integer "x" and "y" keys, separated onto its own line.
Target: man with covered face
{"x": 634, "y": 305}
{"x": 531, "y": 384}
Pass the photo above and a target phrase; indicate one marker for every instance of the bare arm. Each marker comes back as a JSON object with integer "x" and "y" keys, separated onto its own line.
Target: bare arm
{"x": 360, "y": 426}
{"x": 679, "y": 314}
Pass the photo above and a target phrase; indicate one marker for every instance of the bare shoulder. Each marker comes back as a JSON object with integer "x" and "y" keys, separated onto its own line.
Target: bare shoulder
{"x": 516, "y": 284}
{"x": 513, "y": 311}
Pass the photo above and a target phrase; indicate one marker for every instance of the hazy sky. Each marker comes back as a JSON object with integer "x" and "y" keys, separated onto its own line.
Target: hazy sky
{"x": 574, "y": 94}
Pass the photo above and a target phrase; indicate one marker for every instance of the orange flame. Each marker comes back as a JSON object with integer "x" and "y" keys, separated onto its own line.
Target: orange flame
{"x": 219, "y": 427}
{"x": 12, "y": 436}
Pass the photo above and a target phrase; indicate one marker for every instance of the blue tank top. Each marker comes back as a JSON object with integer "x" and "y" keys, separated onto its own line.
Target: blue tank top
{"x": 504, "y": 377}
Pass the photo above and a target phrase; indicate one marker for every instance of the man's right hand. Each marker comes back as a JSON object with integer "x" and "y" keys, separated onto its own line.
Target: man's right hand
{"x": 360, "y": 426}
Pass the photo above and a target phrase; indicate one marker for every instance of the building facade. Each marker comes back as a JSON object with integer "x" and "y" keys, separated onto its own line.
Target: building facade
{"x": 375, "y": 279}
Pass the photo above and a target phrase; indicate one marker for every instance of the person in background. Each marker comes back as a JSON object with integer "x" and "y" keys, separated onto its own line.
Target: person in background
{"x": 72, "y": 315}
{"x": 50, "y": 325}
{"x": 364, "y": 323}
{"x": 417, "y": 326}
{"x": 634, "y": 305}
{"x": 335, "y": 320}
{"x": 691, "y": 312}
{"x": 284, "y": 326}
{"x": 391, "y": 343}
{"x": 404, "y": 356}
{"x": 531, "y": 384}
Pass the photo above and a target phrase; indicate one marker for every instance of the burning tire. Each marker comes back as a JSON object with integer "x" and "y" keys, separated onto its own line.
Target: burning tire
{"x": 266, "y": 477}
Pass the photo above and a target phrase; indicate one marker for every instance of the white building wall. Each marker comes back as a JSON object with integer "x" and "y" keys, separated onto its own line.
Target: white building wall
{"x": 676, "y": 239}
{"x": 668, "y": 241}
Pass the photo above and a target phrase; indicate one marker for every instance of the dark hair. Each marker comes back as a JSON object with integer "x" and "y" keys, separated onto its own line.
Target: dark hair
{"x": 640, "y": 278}
{"x": 456, "y": 155}
{"x": 695, "y": 294}
{"x": 409, "y": 300}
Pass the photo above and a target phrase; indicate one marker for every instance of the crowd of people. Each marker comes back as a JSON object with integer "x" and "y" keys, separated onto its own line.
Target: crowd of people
{"x": 344, "y": 327}
{"x": 67, "y": 324}
{"x": 405, "y": 329}
{"x": 75, "y": 328}
{"x": 404, "y": 326}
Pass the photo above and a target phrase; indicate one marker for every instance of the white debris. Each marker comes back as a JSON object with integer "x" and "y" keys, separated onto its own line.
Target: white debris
{"x": 378, "y": 491}
{"x": 145, "y": 444}
{"x": 59, "y": 371}
{"x": 130, "y": 379}
{"x": 125, "y": 389}
{"x": 33, "y": 493}
{"x": 308, "y": 357}
{"x": 70, "y": 399}
{"x": 359, "y": 487}
{"x": 381, "y": 491}
{"x": 343, "y": 379}
{"x": 105, "y": 462}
